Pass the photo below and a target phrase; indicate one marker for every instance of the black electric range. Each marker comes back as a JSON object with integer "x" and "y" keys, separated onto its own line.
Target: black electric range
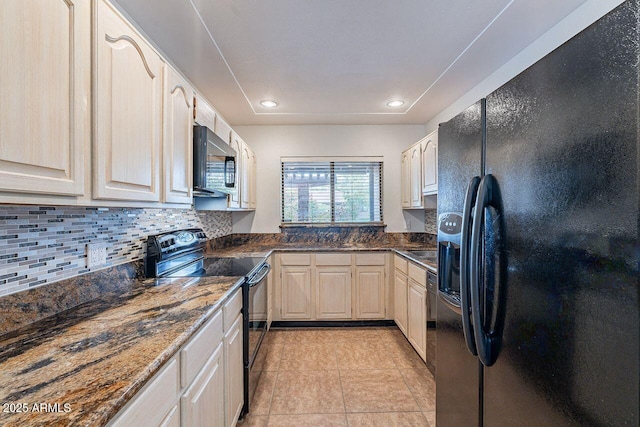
{"x": 182, "y": 254}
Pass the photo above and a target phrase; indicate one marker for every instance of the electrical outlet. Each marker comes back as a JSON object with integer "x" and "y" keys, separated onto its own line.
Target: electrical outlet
{"x": 407, "y": 224}
{"x": 96, "y": 255}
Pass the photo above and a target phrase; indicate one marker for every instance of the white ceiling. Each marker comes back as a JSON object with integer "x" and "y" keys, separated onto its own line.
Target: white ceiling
{"x": 341, "y": 61}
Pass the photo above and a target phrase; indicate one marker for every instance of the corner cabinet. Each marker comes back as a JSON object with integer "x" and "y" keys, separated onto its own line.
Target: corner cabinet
{"x": 44, "y": 107}
{"x": 177, "y": 139}
{"x": 429, "y": 148}
{"x": 127, "y": 111}
{"x": 420, "y": 171}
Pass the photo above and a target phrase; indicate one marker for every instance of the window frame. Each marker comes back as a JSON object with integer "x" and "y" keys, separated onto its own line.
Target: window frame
{"x": 332, "y": 161}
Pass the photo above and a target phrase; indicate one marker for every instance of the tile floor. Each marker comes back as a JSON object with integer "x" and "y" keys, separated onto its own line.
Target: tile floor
{"x": 342, "y": 377}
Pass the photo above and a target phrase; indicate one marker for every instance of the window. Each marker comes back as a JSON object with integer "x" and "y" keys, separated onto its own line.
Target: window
{"x": 337, "y": 191}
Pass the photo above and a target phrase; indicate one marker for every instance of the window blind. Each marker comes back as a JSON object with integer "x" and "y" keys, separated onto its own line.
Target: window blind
{"x": 328, "y": 192}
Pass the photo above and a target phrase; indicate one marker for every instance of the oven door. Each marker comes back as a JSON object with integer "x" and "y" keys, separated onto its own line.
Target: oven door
{"x": 255, "y": 328}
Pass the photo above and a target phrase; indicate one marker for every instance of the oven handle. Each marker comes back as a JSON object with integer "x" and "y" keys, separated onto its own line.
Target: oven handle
{"x": 257, "y": 278}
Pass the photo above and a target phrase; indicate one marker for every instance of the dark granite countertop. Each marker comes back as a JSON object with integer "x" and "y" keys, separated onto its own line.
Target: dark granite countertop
{"x": 261, "y": 250}
{"x": 96, "y": 356}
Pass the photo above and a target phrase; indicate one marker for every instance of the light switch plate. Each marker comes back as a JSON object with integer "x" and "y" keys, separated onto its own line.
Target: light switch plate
{"x": 96, "y": 255}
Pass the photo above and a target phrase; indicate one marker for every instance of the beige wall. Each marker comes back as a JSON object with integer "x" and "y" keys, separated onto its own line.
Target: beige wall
{"x": 272, "y": 142}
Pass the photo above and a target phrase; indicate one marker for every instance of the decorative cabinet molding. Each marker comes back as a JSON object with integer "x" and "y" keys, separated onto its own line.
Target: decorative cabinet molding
{"x": 127, "y": 113}
{"x": 45, "y": 103}
{"x": 177, "y": 139}
{"x": 405, "y": 184}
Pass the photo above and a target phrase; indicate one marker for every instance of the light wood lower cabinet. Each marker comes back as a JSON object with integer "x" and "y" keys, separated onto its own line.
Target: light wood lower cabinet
{"x": 370, "y": 292}
{"x": 46, "y": 85}
{"x": 234, "y": 384}
{"x": 333, "y": 292}
{"x": 127, "y": 111}
{"x": 400, "y": 287}
{"x": 202, "y": 385}
{"x": 155, "y": 403}
{"x": 417, "y": 318}
{"x": 203, "y": 402}
{"x": 331, "y": 286}
{"x": 296, "y": 293}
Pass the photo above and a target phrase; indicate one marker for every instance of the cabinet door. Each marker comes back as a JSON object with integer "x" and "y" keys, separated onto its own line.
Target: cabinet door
{"x": 178, "y": 138}
{"x": 253, "y": 183}
{"x": 127, "y": 99}
{"x": 234, "y": 198}
{"x": 416, "y": 176}
{"x": 417, "y": 318}
{"x": 203, "y": 403}
{"x": 173, "y": 418}
{"x": 333, "y": 292}
{"x": 155, "y": 404}
{"x": 234, "y": 373}
{"x": 246, "y": 164}
{"x": 400, "y": 284}
{"x": 270, "y": 292}
{"x": 296, "y": 292}
{"x": 406, "y": 180}
{"x": 44, "y": 107}
{"x": 370, "y": 292}
{"x": 430, "y": 164}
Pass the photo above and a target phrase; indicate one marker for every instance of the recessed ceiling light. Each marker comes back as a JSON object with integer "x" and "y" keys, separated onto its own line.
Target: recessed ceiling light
{"x": 268, "y": 103}
{"x": 397, "y": 103}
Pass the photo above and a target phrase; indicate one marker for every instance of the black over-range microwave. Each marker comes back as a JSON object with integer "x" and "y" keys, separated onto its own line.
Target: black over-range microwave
{"x": 214, "y": 164}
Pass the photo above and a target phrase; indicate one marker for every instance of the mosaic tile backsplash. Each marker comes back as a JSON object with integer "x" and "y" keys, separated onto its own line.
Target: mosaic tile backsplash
{"x": 431, "y": 221}
{"x": 40, "y": 245}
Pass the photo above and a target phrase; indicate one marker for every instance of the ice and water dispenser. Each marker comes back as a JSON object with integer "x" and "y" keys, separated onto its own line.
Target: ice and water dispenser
{"x": 449, "y": 237}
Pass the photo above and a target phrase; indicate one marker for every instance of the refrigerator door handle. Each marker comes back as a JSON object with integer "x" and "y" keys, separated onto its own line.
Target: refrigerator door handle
{"x": 487, "y": 342}
{"x": 467, "y": 222}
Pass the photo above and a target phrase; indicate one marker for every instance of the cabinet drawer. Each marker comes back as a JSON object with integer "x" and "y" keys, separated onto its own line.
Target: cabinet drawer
{"x": 418, "y": 274}
{"x": 194, "y": 355}
{"x": 377, "y": 258}
{"x": 160, "y": 394}
{"x": 295, "y": 259}
{"x": 232, "y": 308}
{"x": 333, "y": 259}
{"x": 400, "y": 263}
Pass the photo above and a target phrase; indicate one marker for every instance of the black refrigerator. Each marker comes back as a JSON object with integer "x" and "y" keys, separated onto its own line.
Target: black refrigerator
{"x": 538, "y": 205}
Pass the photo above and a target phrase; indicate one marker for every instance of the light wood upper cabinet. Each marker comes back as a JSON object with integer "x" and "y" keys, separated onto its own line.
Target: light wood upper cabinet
{"x": 205, "y": 115}
{"x": 333, "y": 292}
{"x": 415, "y": 158}
{"x": 370, "y": 292}
{"x": 234, "y": 198}
{"x": 127, "y": 111}
{"x": 45, "y": 105}
{"x": 177, "y": 139}
{"x": 405, "y": 187}
{"x": 248, "y": 181}
{"x": 429, "y": 147}
{"x": 222, "y": 129}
